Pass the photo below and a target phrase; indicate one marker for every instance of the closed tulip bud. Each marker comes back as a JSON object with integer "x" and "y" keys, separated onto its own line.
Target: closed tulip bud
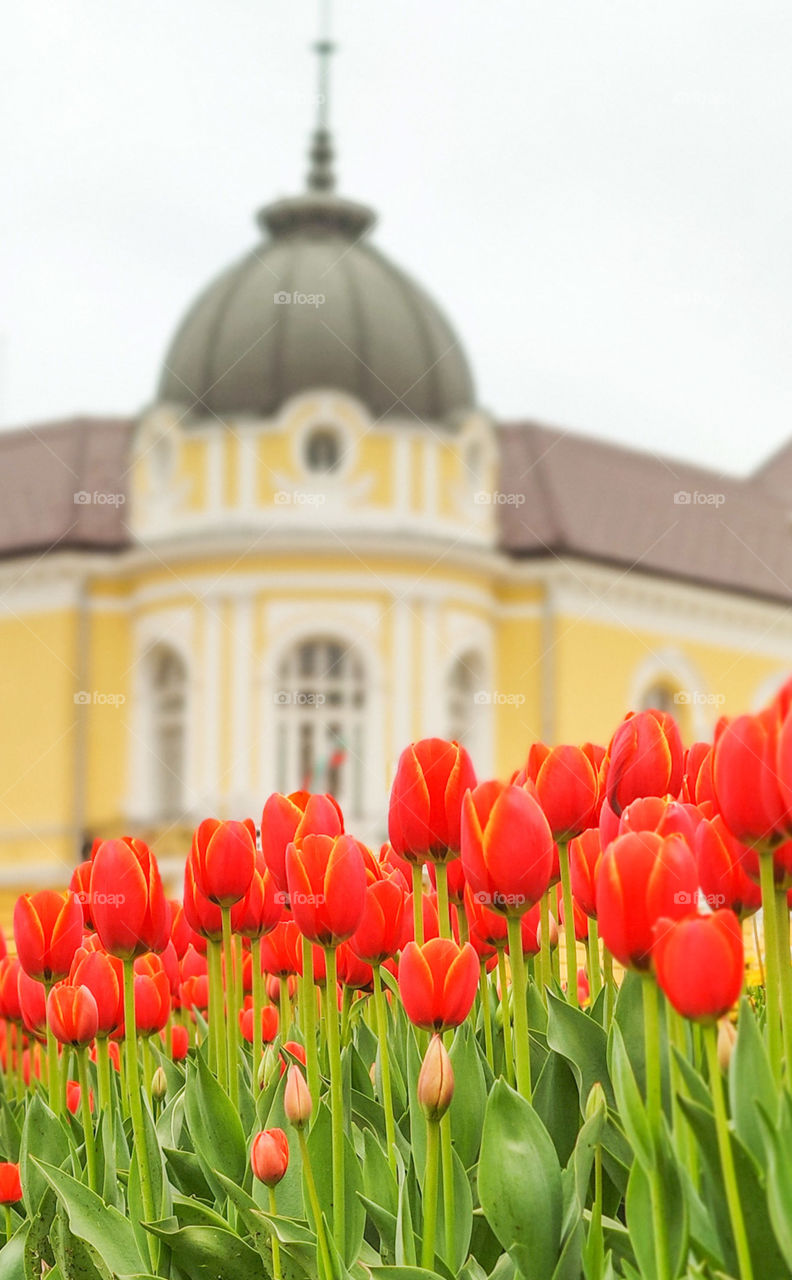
{"x": 179, "y": 1042}
{"x": 10, "y": 1185}
{"x": 327, "y": 887}
{"x": 641, "y": 878}
{"x": 297, "y": 1103}
{"x": 438, "y": 983}
{"x": 567, "y": 785}
{"x": 269, "y": 1156}
{"x": 74, "y": 1097}
{"x": 223, "y": 857}
{"x": 128, "y": 902}
{"x": 727, "y": 1039}
{"x": 269, "y": 1066}
{"x": 432, "y": 777}
{"x": 747, "y": 787}
{"x": 72, "y": 1014}
{"x": 507, "y": 847}
{"x": 699, "y": 963}
{"x": 159, "y": 1085}
{"x": 286, "y": 819}
{"x": 644, "y": 758}
{"x": 48, "y": 929}
{"x": 596, "y": 1102}
{"x": 435, "y": 1087}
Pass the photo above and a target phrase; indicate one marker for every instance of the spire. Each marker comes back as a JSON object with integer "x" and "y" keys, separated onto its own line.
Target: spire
{"x": 320, "y": 173}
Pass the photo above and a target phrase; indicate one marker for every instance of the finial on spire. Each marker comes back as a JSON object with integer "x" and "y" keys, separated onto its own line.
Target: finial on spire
{"x": 320, "y": 174}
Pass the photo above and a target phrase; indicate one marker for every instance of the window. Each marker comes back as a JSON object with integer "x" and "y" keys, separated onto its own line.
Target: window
{"x": 464, "y": 700}
{"x": 323, "y": 450}
{"x": 168, "y": 676}
{"x": 320, "y": 731}
{"x": 661, "y": 696}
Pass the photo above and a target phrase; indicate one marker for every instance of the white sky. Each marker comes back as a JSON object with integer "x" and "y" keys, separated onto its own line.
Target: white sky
{"x": 598, "y": 192}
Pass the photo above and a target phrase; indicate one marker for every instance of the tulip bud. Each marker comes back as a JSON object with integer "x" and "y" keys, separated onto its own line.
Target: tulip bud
{"x": 435, "y": 1087}
{"x": 727, "y": 1039}
{"x": 270, "y": 1063}
{"x": 159, "y": 1085}
{"x": 596, "y": 1102}
{"x": 552, "y": 933}
{"x": 297, "y": 1103}
{"x": 269, "y": 1156}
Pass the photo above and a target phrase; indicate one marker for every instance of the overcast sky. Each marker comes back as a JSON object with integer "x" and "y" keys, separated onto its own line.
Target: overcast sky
{"x": 598, "y": 192}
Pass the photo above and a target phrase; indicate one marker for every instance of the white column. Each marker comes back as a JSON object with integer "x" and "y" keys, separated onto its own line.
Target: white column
{"x": 242, "y": 695}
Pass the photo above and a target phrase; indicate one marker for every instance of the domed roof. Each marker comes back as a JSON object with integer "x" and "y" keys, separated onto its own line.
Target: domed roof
{"x": 316, "y": 305}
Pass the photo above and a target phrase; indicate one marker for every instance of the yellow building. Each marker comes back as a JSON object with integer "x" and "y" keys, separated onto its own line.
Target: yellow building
{"x": 316, "y": 546}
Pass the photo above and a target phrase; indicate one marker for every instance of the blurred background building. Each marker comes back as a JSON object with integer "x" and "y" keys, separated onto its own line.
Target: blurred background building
{"x": 315, "y": 546}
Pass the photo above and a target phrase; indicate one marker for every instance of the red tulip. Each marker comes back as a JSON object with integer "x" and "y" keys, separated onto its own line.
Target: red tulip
{"x": 179, "y": 1042}
{"x": 72, "y": 1014}
{"x": 269, "y": 1156}
{"x": 697, "y": 774}
{"x": 204, "y": 917}
{"x": 644, "y": 759}
{"x": 269, "y": 1023}
{"x": 48, "y": 928}
{"x": 747, "y": 789}
{"x": 641, "y": 878}
{"x": 507, "y": 847}
{"x": 724, "y": 881}
{"x": 661, "y": 814}
{"x": 9, "y": 989}
{"x": 580, "y": 917}
{"x": 10, "y": 1185}
{"x": 432, "y": 777}
{"x": 152, "y": 1002}
{"x": 352, "y": 971}
{"x": 74, "y": 1097}
{"x": 699, "y": 963}
{"x": 438, "y": 983}
{"x": 286, "y": 819}
{"x": 291, "y": 1049}
{"x": 327, "y": 887}
{"x": 297, "y": 1101}
{"x": 260, "y": 909}
{"x": 182, "y": 933}
{"x": 378, "y": 934}
{"x": 33, "y": 1004}
{"x": 194, "y": 993}
{"x": 585, "y": 855}
{"x": 223, "y": 857}
{"x": 280, "y": 950}
{"x": 566, "y": 779}
{"x": 80, "y": 884}
{"x": 127, "y": 899}
{"x": 455, "y": 878}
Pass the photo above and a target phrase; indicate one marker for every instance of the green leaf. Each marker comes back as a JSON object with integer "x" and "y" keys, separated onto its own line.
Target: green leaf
{"x": 632, "y": 1112}
{"x": 43, "y": 1135}
{"x": 519, "y": 1183}
{"x": 582, "y": 1041}
{"x": 779, "y": 1176}
{"x": 102, "y": 1226}
{"x": 204, "y": 1253}
{"x": 463, "y": 1213}
{"x": 320, "y": 1151}
{"x": 405, "y": 1236}
{"x": 214, "y": 1125}
{"x": 470, "y": 1096}
{"x": 76, "y": 1259}
{"x": 12, "y": 1256}
{"x": 751, "y": 1083}
{"x": 555, "y": 1099}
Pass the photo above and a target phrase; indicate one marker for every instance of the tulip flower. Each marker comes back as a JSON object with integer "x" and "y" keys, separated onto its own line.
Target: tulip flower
{"x": 127, "y": 899}
{"x": 566, "y": 781}
{"x": 378, "y": 935}
{"x": 327, "y": 887}
{"x": 666, "y": 816}
{"x": 699, "y": 963}
{"x": 286, "y": 819}
{"x": 585, "y": 855}
{"x": 746, "y": 783}
{"x": 507, "y": 847}
{"x": 280, "y": 950}
{"x": 152, "y": 1001}
{"x": 269, "y": 1024}
{"x": 48, "y": 928}
{"x": 297, "y": 1103}
{"x": 269, "y": 1156}
{"x": 432, "y": 777}
{"x": 644, "y": 758}
{"x": 74, "y": 1097}
{"x": 223, "y": 857}
{"x": 10, "y": 1185}
{"x": 73, "y": 1015}
{"x": 80, "y": 885}
{"x": 435, "y": 1086}
{"x": 103, "y": 976}
{"x": 33, "y": 1007}
{"x": 261, "y": 907}
{"x": 720, "y": 859}
{"x": 641, "y": 878}
{"x": 697, "y": 785}
{"x": 437, "y": 983}
{"x": 9, "y": 989}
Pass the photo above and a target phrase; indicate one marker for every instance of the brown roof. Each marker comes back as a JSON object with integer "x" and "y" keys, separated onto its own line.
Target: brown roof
{"x": 581, "y": 497}
{"x": 64, "y": 484}
{"x": 584, "y": 497}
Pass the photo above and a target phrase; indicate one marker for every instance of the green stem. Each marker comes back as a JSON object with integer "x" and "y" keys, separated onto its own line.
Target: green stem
{"x": 135, "y": 1103}
{"x": 443, "y": 916}
{"x": 346, "y": 1011}
{"x": 417, "y": 894}
{"x": 284, "y": 1021}
{"x": 336, "y": 1099}
{"x": 508, "y": 1060}
{"x": 569, "y": 924}
{"x": 258, "y": 1002}
{"x": 610, "y": 985}
{"x": 381, "y": 1010}
{"x": 449, "y": 1215}
{"x": 9, "y": 1229}
{"x": 87, "y": 1120}
{"x": 594, "y": 969}
{"x": 430, "y": 1194}
{"x": 785, "y": 976}
{"x": 486, "y": 1011}
{"x": 53, "y": 1075}
{"x": 684, "y": 1138}
{"x": 544, "y": 925}
{"x": 218, "y": 1061}
{"x": 321, "y": 1237}
{"x": 654, "y": 1108}
{"x": 522, "y": 1043}
{"x": 308, "y": 1017}
{"x": 148, "y": 1065}
{"x": 277, "y": 1274}
{"x": 232, "y": 1021}
{"x": 726, "y": 1154}
{"x": 772, "y": 992}
{"x": 103, "y": 1074}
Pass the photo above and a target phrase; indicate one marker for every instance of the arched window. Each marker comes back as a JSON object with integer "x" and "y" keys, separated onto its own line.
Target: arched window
{"x": 465, "y": 700}
{"x": 168, "y": 687}
{"x": 321, "y": 708}
{"x": 323, "y": 450}
{"x": 663, "y": 696}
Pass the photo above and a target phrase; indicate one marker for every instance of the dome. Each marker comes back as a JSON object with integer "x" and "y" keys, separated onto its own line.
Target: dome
{"x": 316, "y": 305}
